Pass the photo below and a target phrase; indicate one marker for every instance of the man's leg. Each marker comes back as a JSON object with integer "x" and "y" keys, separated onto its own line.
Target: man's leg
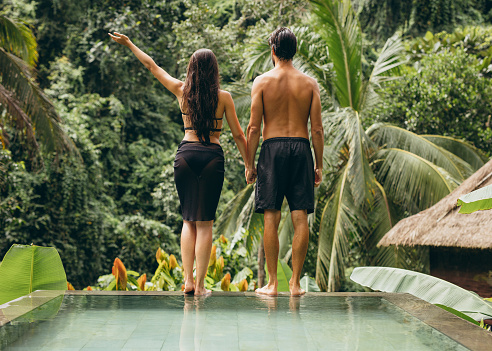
{"x": 270, "y": 240}
{"x": 299, "y": 249}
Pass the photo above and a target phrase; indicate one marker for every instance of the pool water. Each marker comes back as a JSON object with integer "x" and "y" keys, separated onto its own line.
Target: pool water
{"x": 165, "y": 322}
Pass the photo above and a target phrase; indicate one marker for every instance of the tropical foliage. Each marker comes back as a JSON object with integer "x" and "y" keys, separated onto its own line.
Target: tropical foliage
{"x": 29, "y": 111}
{"x": 169, "y": 275}
{"x": 116, "y": 198}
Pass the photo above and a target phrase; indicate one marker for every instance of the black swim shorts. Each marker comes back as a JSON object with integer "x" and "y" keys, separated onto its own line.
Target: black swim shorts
{"x": 285, "y": 169}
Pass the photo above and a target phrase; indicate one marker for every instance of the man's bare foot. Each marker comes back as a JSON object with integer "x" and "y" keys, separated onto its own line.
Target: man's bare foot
{"x": 269, "y": 289}
{"x": 189, "y": 287}
{"x": 202, "y": 292}
{"x": 295, "y": 289}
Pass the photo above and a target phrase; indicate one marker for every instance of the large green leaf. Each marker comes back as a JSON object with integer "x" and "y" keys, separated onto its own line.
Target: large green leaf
{"x": 477, "y": 200}
{"x": 25, "y": 269}
{"x": 423, "y": 286}
{"x": 339, "y": 27}
{"x": 284, "y": 273}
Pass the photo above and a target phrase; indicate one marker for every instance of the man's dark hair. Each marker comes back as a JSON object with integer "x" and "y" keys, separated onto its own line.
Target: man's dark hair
{"x": 284, "y": 43}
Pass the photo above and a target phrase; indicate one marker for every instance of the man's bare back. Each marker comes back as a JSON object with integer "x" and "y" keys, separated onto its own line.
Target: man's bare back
{"x": 287, "y": 96}
{"x": 285, "y": 100}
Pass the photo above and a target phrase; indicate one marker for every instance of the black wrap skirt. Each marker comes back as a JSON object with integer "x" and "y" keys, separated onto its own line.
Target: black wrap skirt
{"x": 199, "y": 175}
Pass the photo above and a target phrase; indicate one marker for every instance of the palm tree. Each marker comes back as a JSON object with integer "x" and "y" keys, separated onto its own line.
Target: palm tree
{"x": 375, "y": 176}
{"x": 29, "y": 110}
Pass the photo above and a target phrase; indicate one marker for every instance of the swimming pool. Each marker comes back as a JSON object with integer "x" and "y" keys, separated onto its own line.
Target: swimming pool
{"x": 232, "y": 321}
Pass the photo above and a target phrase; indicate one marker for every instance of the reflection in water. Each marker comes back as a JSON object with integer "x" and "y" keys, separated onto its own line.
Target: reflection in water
{"x": 193, "y": 324}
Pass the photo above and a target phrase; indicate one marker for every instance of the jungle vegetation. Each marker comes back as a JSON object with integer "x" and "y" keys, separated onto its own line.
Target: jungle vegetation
{"x": 88, "y": 135}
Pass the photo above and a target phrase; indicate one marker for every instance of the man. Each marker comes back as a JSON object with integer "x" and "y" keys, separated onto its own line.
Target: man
{"x": 285, "y": 99}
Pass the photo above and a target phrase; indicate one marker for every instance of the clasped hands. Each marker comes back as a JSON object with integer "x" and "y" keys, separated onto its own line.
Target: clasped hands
{"x": 250, "y": 174}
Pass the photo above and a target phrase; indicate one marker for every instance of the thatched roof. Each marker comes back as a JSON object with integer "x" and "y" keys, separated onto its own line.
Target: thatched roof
{"x": 442, "y": 225}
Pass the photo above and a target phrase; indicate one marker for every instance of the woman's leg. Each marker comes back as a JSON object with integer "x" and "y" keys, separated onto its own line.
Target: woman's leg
{"x": 203, "y": 247}
{"x": 188, "y": 241}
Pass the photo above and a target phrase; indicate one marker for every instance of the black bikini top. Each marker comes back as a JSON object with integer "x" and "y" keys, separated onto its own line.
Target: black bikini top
{"x": 212, "y": 130}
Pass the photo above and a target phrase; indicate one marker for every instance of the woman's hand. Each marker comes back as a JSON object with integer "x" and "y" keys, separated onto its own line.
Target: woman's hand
{"x": 120, "y": 38}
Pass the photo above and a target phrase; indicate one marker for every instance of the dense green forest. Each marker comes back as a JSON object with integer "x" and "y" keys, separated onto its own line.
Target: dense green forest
{"x": 107, "y": 189}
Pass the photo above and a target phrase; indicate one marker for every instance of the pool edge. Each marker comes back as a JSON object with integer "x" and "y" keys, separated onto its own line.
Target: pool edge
{"x": 463, "y": 332}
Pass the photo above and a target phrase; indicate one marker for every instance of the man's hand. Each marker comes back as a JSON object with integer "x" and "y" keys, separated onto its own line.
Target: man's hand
{"x": 250, "y": 175}
{"x": 318, "y": 176}
{"x": 120, "y": 38}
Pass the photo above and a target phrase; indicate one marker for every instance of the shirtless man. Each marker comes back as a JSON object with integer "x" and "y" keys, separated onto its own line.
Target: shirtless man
{"x": 285, "y": 99}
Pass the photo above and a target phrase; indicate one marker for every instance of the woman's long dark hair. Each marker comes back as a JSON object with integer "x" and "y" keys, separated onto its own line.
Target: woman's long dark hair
{"x": 201, "y": 93}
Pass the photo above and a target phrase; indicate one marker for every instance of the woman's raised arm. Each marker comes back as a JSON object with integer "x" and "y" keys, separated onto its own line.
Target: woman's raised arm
{"x": 172, "y": 84}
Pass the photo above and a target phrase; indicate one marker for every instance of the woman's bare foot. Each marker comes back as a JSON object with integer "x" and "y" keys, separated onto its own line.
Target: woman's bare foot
{"x": 202, "y": 292}
{"x": 295, "y": 289}
{"x": 269, "y": 289}
{"x": 189, "y": 287}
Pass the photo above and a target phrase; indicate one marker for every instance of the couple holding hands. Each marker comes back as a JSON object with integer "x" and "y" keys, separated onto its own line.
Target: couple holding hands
{"x": 285, "y": 100}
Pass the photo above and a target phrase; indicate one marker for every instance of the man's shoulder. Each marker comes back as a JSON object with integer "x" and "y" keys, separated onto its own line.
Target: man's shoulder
{"x": 308, "y": 78}
{"x": 264, "y": 77}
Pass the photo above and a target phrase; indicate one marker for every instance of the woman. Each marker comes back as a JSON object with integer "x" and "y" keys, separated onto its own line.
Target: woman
{"x": 199, "y": 162}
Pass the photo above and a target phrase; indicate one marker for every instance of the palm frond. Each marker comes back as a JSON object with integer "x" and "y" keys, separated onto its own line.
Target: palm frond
{"x": 392, "y": 56}
{"x": 336, "y": 227}
{"x": 381, "y": 221}
{"x": 385, "y": 69}
{"x": 339, "y": 27}
{"x": 313, "y": 57}
{"x": 252, "y": 222}
{"x": 467, "y": 152}
{"x": 17, "y": 116}
{"x": 17, "y": 38}
{"x": 346, "y": 126}
{"x": 395, "y": 137}
{"x": 241, "y": 93}
{"x": 18, "y": 78}
{"x": 412, "y": 180}
{"x": 258, "y": 59}
{"x": 230, "y": 220}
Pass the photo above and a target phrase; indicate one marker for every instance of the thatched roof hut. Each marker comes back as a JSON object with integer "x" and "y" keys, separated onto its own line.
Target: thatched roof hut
{"x": 442, "y": 225}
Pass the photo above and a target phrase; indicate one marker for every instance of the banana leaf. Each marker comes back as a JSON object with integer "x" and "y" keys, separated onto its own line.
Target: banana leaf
{"x": 309, "y": 284}
{"x": 425, "y": 287}
{"x": 25, "y": 269}
{"x": 480, "y": 199}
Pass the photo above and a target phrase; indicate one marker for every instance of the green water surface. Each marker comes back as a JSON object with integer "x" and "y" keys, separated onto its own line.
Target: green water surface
{"x": 85, "y": 322}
